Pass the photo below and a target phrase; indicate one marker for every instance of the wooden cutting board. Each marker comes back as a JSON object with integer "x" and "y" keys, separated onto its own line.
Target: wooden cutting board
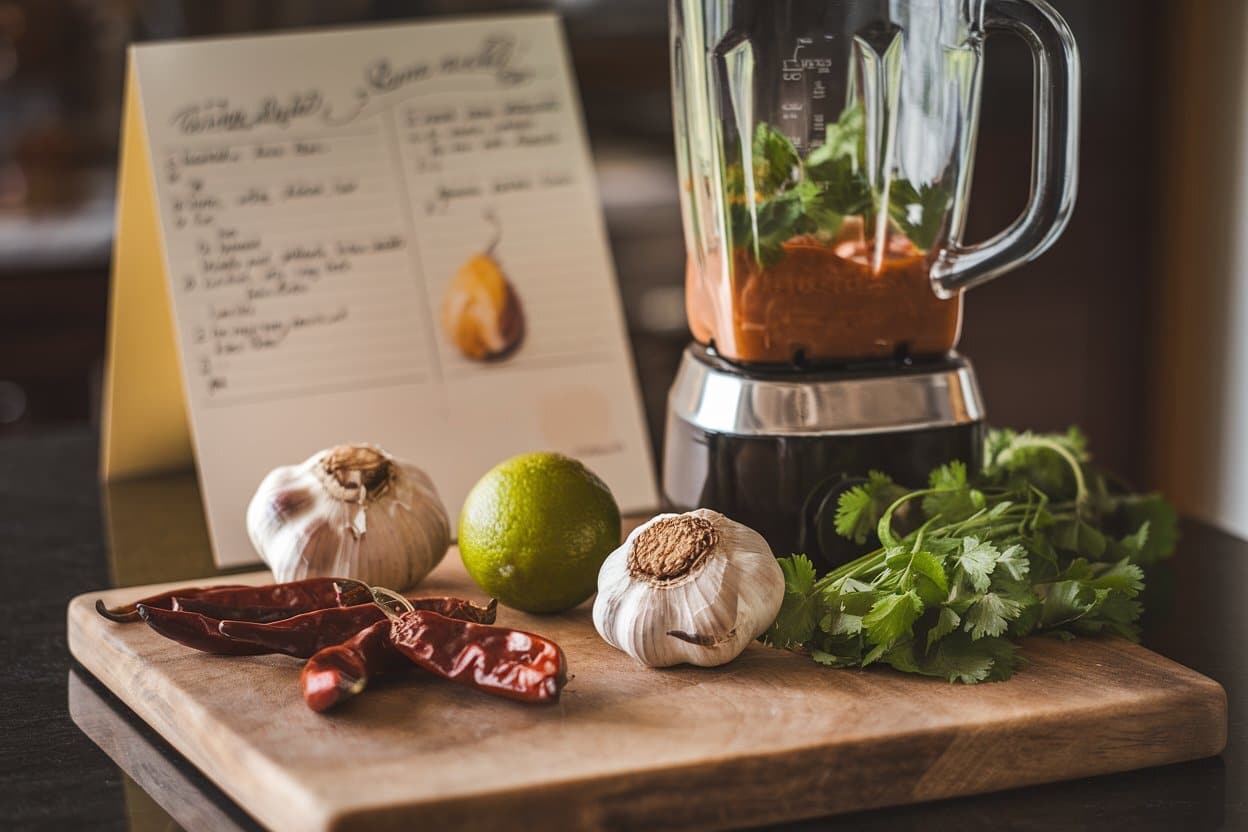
{"x": 770, "y": 737}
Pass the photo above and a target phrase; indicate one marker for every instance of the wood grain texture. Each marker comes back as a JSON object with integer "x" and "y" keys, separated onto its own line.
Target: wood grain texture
{"x": 770, "y": 737}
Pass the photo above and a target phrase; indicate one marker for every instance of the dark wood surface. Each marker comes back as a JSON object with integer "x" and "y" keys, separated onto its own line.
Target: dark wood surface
{"x": 54, "y": 545}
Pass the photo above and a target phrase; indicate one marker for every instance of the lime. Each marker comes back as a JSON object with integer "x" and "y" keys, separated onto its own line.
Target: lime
{"x": 535, "y": 530}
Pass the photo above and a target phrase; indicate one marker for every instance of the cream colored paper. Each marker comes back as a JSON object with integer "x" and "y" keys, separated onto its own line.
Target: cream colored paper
{"x": 301, "y": 202}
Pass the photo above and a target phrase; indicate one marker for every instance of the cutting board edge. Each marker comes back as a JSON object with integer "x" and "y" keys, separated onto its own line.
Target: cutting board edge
{"x": 654, "y": 784}
{"x": 597, "y": 799}
{"x": 313, "y": 814}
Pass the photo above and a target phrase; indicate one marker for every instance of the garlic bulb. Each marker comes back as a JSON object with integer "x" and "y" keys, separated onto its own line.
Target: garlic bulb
{"x": 692, "y": 588}
{"x": 351, "y": 511}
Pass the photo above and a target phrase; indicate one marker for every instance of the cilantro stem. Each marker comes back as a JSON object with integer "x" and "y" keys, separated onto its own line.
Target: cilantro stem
{"x": 1076, "y": 467}
{"x": 918, "y": 534}
{"x": 866, "y": 565}
{"x": 884, "y": 529}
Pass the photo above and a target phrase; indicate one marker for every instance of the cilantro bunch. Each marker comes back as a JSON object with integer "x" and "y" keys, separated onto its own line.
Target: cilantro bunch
{"x": 787, "y": 196}
{"x": 1038, "y": 541}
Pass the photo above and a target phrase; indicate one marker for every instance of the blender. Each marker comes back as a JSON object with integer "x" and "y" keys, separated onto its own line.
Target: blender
{"x": 824, "y": 149}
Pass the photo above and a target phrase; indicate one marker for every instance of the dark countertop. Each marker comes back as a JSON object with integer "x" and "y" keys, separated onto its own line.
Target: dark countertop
{"x": 61, "y": 535}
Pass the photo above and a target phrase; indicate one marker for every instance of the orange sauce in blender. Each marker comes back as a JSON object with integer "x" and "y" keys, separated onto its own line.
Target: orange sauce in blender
{"x": 822, "y": 303}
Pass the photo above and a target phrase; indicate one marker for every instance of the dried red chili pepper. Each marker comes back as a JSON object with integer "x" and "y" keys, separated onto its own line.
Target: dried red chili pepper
{"x": 338, "y": 673}
{"x": 354, "y": 592}
{"x": 450, "y": 607}
{"x": 497, "y": 660}
{"x": 130, "y": 612}
{"x": 226, "y": 611}
{"x": 458, "y": 608}
{"x": 295, "y": 597}
{"x": 195, "y": 630}
{"x": 305, "y": 634}
{"x": 237, "y": 613}
{"x": 242, "y": 601}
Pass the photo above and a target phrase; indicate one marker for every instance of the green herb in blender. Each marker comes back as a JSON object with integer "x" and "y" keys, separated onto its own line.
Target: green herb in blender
{"x": 793, "y": 197}
{"x": 810, "y": 244}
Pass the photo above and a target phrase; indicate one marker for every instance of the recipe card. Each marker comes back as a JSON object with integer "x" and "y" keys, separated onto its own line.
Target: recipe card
{"x": 384, "y": 234}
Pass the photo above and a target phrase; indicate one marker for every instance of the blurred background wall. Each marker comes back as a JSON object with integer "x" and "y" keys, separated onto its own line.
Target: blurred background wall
{"x": 1082, "y": 336}
{"x": 1200, "y": 327}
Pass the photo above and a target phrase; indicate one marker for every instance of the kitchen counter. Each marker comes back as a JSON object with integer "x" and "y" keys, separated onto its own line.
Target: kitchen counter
{"x": 61, "y": 535}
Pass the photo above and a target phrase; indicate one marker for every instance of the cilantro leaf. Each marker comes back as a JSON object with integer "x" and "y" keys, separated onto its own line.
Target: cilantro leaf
{"x": 823, "y": 211}
{"x": 892, "y": 618}
{"x": 921, "y": 571}
{"x": 838, "y": 652}
{"x": 834, "y": 166}
{"x": 1134, "y": 544}
{"x": 1077, "y": 536}
{"x": 1123, "y": 576}
{"x": 951, "y": 477}
{"x": 1118, "y": 614}
{"x": 1025, "y": 460}
{"x": 843, "y": 189}
{"x": 859, "y": 509}
{"x": 958, "y": 662}
{"x": 946, "y": 622}
{"x": 1028, "y": 619}
{"x": 919, "y": 212}
{"x": 845, "y": 608}
{"x": 1063, "y": 602}
{"x": 791, "y": 197}
{"x": 968, "y": 661}
{"x": 775, "y": 219}
{"x": 956, "y": 659}
{"x": 799, "y": 574}
{"x": 841, "y": 140}
{"x": 1013, "y": 562}
{"x": 954, "y": 499}
{"x": 929, "y": 578}
{"x": 991, "y": 615}
{"x": 977, "y": 561}
{"x": 899, "y": 657}
{"x": 775, "y": 159}
{"x": 840, "y": 622}
{"x": 800, "y": 607}
{"x": 1162, "y": 521}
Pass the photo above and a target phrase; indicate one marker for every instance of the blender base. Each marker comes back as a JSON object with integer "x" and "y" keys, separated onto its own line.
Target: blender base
{"x": 774, "y": 449}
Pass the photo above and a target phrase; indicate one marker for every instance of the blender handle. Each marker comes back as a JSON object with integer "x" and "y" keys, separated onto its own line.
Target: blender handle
{"x": 1054, "y": 153}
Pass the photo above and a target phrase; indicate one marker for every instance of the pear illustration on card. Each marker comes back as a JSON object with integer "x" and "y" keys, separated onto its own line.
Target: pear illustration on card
{"x": 481, "y": 313}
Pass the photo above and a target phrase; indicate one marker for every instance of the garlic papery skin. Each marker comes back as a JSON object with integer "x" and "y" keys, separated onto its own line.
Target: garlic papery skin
{"x": 352, "y": 511}
{"x": 692, "y": 588}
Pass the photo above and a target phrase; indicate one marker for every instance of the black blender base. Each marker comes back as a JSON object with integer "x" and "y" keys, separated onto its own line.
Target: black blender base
{"x": 774, "y": 449}
{"x": 786, "y": 488}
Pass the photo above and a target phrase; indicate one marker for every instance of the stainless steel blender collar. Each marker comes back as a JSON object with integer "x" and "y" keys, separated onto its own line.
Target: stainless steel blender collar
{"x": 721, "y": 398}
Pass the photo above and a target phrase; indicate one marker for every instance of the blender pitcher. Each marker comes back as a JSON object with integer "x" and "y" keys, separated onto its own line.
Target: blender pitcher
{"x": 825, "y": 149}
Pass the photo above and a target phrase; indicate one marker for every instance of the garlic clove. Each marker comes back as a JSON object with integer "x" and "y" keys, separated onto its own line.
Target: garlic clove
{"x": 692, "y": 588}
{"x": 353, "y": 511}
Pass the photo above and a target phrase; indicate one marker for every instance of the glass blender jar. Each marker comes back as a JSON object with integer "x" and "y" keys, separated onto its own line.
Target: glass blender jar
{"x": 824, "y": 150}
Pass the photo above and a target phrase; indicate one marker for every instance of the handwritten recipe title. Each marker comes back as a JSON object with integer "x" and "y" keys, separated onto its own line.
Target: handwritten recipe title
{"x": 495, "y": 58}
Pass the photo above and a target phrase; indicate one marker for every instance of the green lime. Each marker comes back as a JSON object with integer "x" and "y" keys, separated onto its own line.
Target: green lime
{"x": 535, "y": 530}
